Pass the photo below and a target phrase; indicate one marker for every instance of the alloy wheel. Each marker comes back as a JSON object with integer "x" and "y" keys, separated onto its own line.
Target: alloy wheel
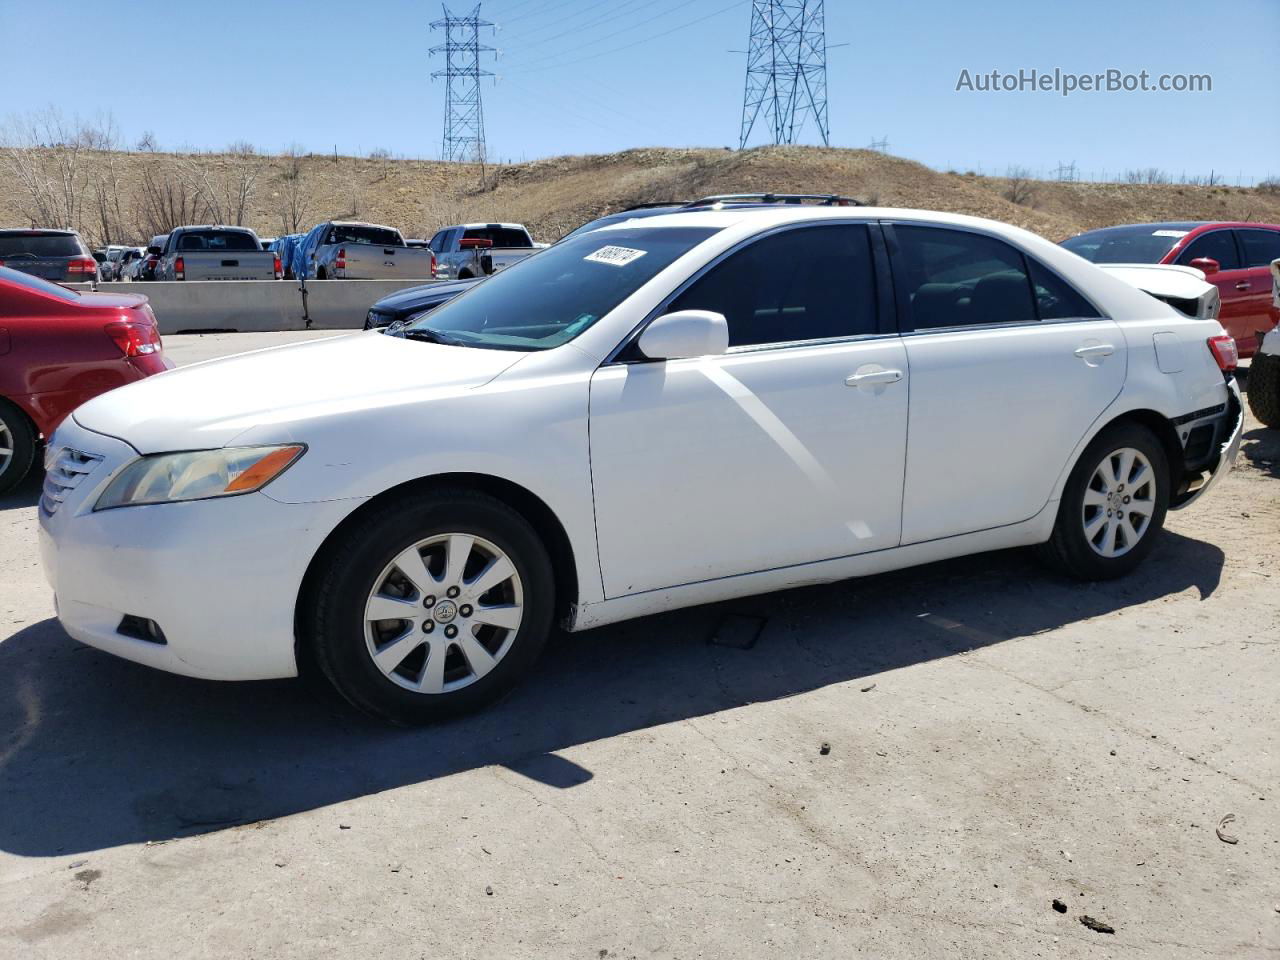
{"x": 443, "y": 613}
{"x": 6, "y": 446}
{"x": 1119, "y": 502}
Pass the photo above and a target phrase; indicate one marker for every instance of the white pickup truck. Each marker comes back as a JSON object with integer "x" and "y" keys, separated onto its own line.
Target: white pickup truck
{"x": 469, "y": 250}
{"x": 342, "y": 250}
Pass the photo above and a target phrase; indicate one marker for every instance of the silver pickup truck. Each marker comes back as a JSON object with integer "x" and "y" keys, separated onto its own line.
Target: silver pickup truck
{"x": 469, "y": 250}
{"x": 338, "y": 250}
{"x": 211, "y": 252}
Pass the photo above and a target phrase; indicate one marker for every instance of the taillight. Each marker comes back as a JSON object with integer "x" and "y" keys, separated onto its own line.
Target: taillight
{"x": 1224, "y": 351}
{"x": 179, "y": 269}
{"x": 340, "y": 262}
{"x": 277, "y": 268}
{"x": 135, "y": 339}
{"x": 433, "y": 264}
{"x": 88, "y": 265}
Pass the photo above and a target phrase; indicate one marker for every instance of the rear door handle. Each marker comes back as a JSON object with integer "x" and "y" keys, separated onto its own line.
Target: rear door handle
{"x": 1244, "y": 285}
{"x": 1095, "y": 350}
{"x": 873, "y": 378}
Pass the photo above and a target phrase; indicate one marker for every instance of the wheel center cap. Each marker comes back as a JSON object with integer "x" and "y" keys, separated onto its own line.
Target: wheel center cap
{"x": 444, "y": 611}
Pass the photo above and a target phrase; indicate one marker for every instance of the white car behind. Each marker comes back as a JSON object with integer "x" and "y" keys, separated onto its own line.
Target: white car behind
{"x": 661, "y": 413}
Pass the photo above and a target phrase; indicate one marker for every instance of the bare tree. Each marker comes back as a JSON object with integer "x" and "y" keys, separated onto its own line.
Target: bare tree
{"x": 295, "y": 196}
{"x": 165, "y": 199}
{"x": 43, "y": 154}
{"x": 147, "y": 143}
{"x": 1019, "y": 187}
{"x": 224, "y": 183}
{"x": 106, "y": 222}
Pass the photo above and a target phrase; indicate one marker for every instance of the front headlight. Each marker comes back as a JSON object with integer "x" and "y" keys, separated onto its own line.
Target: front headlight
{"x": 197, "y": 475}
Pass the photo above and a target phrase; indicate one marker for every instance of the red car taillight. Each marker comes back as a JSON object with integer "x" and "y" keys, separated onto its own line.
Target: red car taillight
{"x": 179, "y": 269}
{"x": 135, "y": 339}
{"x": 1224, "y": 352}
{"x": 433, "y": 264}
{"x": 82, "y": 267}
{"x": 340, "y": 262}
{"x": 279, "y": 270}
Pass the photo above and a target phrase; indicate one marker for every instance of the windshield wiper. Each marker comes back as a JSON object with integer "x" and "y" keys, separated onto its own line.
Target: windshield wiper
{"x": 427, "y": 335}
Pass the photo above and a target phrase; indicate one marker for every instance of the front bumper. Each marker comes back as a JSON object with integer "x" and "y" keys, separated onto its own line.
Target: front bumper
{"x": 1228, "y": 449}
{"x": 219, "y": 577}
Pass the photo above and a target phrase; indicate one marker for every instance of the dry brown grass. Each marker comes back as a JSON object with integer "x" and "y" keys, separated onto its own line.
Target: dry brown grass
{"x": 552, "y": 196}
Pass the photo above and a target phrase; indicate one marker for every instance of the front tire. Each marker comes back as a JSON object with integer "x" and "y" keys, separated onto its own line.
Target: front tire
{"x": 1113, "y": 506}
{"x": 1264, "y": 388}
{"x": 432, "y": 606}
{"x": 17, "y": 446}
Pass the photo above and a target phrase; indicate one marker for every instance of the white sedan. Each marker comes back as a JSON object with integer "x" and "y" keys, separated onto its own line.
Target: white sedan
{"x": 660, "y": 413}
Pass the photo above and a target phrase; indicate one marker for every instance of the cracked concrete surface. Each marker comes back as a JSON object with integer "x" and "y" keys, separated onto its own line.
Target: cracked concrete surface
{"x": 647, "y": 794}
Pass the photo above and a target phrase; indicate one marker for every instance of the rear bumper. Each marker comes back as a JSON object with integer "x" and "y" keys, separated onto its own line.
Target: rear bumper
{"x": 1230, "y": 430}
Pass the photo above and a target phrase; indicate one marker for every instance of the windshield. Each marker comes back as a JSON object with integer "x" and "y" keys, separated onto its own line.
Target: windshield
{"x": 1141, "y": 243}
{"x": 551, "y": 297}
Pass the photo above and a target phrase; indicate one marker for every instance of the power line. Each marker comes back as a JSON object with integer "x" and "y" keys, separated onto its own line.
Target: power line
{"x": 634, "y": 43}
{"x": 786, "y": 69}
{"x": 463, "y": 139}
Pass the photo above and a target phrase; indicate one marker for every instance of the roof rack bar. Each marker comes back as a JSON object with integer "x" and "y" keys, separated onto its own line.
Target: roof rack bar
{"x": 654, "y": 204}
{"x": 819, "y": 199}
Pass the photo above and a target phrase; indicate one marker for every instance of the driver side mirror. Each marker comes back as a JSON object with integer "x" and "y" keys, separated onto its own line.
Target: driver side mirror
{"x": 685, "y": 334}
{"x": 1207, "y": 264}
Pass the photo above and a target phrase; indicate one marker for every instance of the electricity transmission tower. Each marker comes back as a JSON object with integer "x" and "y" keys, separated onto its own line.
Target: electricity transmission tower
{"x": 786, "y": 69}
{"x": 463, "y": 111}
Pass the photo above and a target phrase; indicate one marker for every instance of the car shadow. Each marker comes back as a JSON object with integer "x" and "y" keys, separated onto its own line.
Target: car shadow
{"x": 26, "y": 493}
{"x": 99, "y": 752}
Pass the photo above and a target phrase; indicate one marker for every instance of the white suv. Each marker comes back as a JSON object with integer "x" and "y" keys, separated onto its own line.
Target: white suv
{"x": 660, "y": 413}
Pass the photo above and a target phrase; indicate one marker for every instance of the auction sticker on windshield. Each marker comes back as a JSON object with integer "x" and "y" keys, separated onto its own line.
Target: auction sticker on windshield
{"x": 615, "y": 256}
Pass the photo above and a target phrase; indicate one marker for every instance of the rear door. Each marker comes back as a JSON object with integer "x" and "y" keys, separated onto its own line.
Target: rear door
{"x": 1238, "y": 315}
{"x": 1259, "y": 246}
{"x": 786, "y": 450}
{"x": 1009, "y": 367}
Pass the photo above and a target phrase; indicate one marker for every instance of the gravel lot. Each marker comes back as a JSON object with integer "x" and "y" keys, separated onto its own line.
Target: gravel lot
{"x": 998, "y": 738}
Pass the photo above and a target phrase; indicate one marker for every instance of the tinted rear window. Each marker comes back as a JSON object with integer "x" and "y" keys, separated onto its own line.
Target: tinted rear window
{"x": 217, "y": 240}
{"x": 40, "y": 245}
{"x": 378, "y": 236}
{"x": 501, "y": 236}
{"x": 38, "y": 285}
{"x": 1140, "y": 243}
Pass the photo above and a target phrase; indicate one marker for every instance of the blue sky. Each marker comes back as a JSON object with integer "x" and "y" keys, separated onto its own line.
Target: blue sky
{"x": 579, "y": 76}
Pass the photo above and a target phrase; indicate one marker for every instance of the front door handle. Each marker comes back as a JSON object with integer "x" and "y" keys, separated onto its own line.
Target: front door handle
{"x": 873, "y": 378}
{"x": 1095, "y": 350}
{"x": 1244, "y": 285}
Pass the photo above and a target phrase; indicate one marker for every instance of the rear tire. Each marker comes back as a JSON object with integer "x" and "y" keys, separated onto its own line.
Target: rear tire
{"x": 1113, "y": 506}
{"x": 1264, "y": 388}
{"x": 17, "y": 446}
{"x": 468, "y": 593}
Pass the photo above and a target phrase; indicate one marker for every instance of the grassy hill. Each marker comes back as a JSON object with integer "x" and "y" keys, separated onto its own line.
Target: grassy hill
{"x": 554, "y": 195}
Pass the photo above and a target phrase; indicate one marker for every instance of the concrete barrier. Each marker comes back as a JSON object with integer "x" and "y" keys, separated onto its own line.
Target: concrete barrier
{"x": 259, "y": 305}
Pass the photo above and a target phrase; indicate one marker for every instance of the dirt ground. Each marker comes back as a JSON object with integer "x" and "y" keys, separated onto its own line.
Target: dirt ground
{"x": 996, "y": 739}
{"x": 557, "y": 194}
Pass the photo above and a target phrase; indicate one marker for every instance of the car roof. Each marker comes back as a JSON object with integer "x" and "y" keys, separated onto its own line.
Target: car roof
{"x": 763, "y": 216}
{"x": 37, "y": 231}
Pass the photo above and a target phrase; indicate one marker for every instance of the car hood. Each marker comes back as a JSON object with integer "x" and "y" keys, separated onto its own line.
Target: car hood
{"x": 211, "y": 404}
{"x": 412, "y": 296}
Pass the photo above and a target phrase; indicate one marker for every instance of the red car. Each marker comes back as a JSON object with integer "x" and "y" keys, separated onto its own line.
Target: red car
{"x": 59, "y": 348}
{"x": 1235, "y": 257}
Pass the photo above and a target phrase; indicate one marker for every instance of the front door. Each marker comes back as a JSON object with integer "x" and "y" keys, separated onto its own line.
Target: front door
{"x": 786, "y": 450}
